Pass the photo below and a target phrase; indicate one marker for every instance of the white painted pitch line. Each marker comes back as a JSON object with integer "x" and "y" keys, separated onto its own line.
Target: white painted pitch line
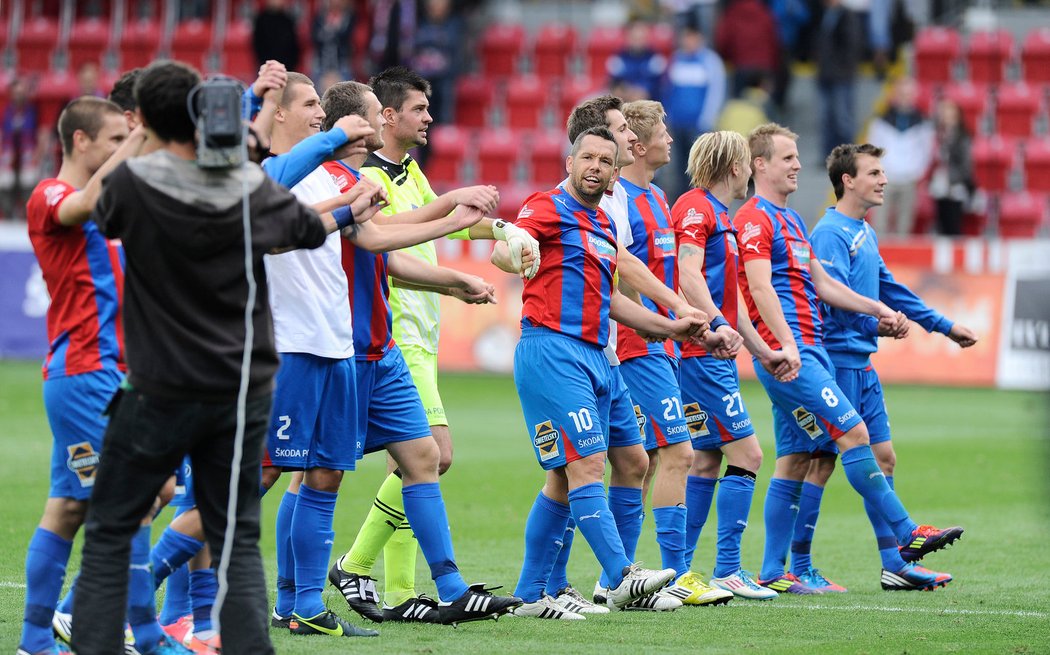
{"x": 12, "y": 585}
{"x": 946, "y": 611}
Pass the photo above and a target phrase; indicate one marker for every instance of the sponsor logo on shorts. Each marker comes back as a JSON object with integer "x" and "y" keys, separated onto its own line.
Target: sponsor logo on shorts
{"x": 546, "y": 441}
{"x": 807, "y": 421}
{"x": 847, "y": 416}
{"x": 83, "y": 461}
{"x": 740, "y": 425}
{"x": 291, "y": 452}
{"x": 696, "y": 420}
{"x": 675, "y": 429}
{"x": 639, "y": 417}
{"x": 589, "y": 441}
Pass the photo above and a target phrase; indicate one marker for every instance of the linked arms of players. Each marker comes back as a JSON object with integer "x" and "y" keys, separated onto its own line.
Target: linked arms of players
{"x": 76, "y": 207}
{"x": 721, "y": 340}
{"x": 835, "y": 293}
{"x": 651, "y": 325}
{"x": 410, "y": 272}
{"x": 638, "y": 277}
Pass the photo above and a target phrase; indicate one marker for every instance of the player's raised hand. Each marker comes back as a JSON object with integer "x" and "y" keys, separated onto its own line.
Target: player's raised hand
{"x": 483, "y": 196}
{"x": 272, "y": 77}
{"x": 355, "y": 127}
{"x": 475, "y": 291}
{"x": 962, "y": 335}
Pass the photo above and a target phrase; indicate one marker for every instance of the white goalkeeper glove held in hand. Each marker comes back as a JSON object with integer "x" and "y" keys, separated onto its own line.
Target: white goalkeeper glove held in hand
{"x": 518, "y": 240}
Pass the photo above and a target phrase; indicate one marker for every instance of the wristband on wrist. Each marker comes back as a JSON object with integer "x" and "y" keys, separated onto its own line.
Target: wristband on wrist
{"x": 343, "y": 216}
{"x": 717, "y": 322}
{"x": 499, "y": 229}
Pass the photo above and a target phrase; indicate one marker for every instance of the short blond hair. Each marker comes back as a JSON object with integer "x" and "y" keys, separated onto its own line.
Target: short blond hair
{"x": 643, "y": 117}
{"x": 712, "y": 156}
{"x": 761, "y": 139}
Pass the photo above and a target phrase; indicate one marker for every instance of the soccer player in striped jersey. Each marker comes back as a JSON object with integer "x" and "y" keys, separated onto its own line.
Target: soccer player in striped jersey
{"x": 719, "y": 424}
{"x": 84, "y": 274}
{"x": 848, "y": 248}
{"x": 565, "y": 326}
{"x": 781, "y": 280}
{"x": 651, "y": 369}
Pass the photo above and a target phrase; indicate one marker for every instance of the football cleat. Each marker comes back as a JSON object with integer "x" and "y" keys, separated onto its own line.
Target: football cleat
{"x": 421, "y": 609}
{"x": 62, "y": 626}
{"x": 209, "y": 646}
{"x": 926, "y": 539}
{"x": 278, "y": 621}
{"x": 476, "y": 605}
{"x": 182, "y": 630}
{"x": 327, "y": 623}
{"x": 601, "y": 594}
{"x": 58, "y": 649}
{"x": 547, "y": 608}
{"x": 914, "y": 578}
{"x": 814, "y": 580}
{"x": 658, "y": 601}
{"x": 574, "y": 601}
{"x": 167, "y": 646}
{"x": 637, "y": 582}
{"x": 359, "y": 591}
{"x": 788, "y": 583}
{"x": 743, "y": 584}
{"x": 691, "y": 589}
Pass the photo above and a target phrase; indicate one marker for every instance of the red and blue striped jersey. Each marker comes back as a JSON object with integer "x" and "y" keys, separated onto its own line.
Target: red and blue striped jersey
{"x": 84, "y": 273}
{"x": 652, "y": 231}
{"x": 572, "y": 289}
{"x": 778, "y": 234}
{"x": 366, "y": 276}
{"x": 702, "y": 221}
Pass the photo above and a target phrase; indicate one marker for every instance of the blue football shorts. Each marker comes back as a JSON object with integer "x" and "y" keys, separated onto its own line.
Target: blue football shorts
{"x": 714, "y": 409}
{"x": 184, "y": 485}
{"x": 388, "y": 405}
{"x": 625, "y": 427}
{"x": 863, "y": 388}
{"x": 653, "y": 381}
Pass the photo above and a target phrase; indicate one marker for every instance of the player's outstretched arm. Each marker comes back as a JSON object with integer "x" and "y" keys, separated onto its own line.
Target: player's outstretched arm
{"x": 837, "y": 294}
{"x": 384, "y": 238}
{"x": 650, "y": 324}
{"x": 721, "y": 340}
{"x": 638, "y": 276}
{"x": 482, "y": 196}
{"x": 778, "y": 363}
{"x": 410, "y": 272}
{"x": 759, "y": 274}
{"x": 76, "y": 208}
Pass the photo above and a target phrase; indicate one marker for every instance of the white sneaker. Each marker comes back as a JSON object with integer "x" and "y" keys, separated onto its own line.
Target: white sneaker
{"x": 637, "y": 582}
{"x": 661, "y": 601}
{"x": 62, "y": 625}
{"x": 574, "y": 601}
{"x": 601, "y": 594}
{"x": 546, "y": 608}
{"x": 743, "y": 584}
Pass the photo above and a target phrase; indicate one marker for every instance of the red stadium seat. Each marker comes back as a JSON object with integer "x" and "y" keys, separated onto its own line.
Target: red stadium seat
{"x": 448, "y": 150}
{"x": 1037, "y": 165}
{"x": 87, "y": 41}
{"x": 526, "y": 100}
{"x": 925, "y": 98}
{"x": 662, "y": 38}
{"x": 1016, "y": 108}
{"x": 512, "y": 197}
{"x": 555, "y": 44}
{"x": 547, "y": 158}
{"x": 992, "y": 160}
{"x": 501, "y": 47}
{"x": 474, "y": 95}
{"x": 1035, "y": 56}
{"x": 1021, "y": 215}
{"x": 36, "y": 41}
{"x": 987, "y": 55}
{"x": 139, "y": 43}
{"x": 498, "y": 150}
{"x": 237, "y": 53}
{"x": 191, "y": 42}
{"x": 972, "y": 100}
{"x": 53, "y": 92}
{"x": 602, "y": 43}
{"x": 571, "y": 92}
{"x": 936, "y": 49}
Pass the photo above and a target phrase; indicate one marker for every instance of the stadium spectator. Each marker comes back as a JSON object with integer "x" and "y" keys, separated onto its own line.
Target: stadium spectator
{"x": 438, "y": 55}
{"x": 701, "y": 13}
{"x": 750, "y": 109}
{"x": 637, "y": 66}
{"x": 274, "y": 35}
{"x": 87, "y": 80}
{"x": 693, "y": 96}
{"x": 791, "y": 17}
{"x": 393, "y": 33}
{"x": 907, "y": 138}
{"x": 840, "y": 44}
{"x": 19, "y": 152}
{"x": 330, "y": 32}
{"x": 951, "y": 181}
{"x": 747, "y": 40}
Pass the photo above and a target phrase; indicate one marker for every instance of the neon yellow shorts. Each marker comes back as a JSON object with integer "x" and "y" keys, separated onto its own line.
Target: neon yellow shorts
{"x": 423, "y": 367}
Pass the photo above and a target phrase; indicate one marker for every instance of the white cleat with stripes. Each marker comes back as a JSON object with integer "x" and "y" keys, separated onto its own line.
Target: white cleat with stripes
{"x": 574, "y": 601}
{"x": 743, "y": 584}
{"x": 547, "y": 608}
{"x": 476, "y": 605}
{"x": 637, "y": 582}
{"x": 660, "y": 601}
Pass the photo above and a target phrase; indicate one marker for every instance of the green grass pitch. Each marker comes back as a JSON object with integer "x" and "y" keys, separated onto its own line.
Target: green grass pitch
{"x": 979, "y": 458}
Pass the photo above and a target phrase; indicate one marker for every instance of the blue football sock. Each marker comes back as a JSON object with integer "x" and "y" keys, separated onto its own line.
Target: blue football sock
{"x": 312, "y": 539}
{"x": 425, "y": 511}
{"x": 805, "y": 526}
{"x": 670, "y": 536}
{"x": 887, "y": 543}
{"x": 782, "y": 500}
{"x": 172, "y": 550}
{"x": 544, "y": 530}
{"x": 285, "y": 604}
{"x": 864, "y": 475}
{"x": 203, "y": 588}
{"x": 627, "y": 509}
{"x": 698, "y": 495}
{"x": 176, "y": 597}
{"x": 590, "y": 510}
{"x": 559, "y": 578}
{"x": 734, "y": 505}
{"x": 66, "y": 606}
{"x": 46, "y": 562}
{"x": 142, "y": 613}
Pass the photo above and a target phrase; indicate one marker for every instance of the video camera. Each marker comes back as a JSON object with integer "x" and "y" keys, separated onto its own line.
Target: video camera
{"x": 215, "y": 105}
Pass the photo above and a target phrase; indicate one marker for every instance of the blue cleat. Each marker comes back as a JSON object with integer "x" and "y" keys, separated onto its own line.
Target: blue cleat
{"x": 815, "y": 580}
{"x": 788, "y": 583}
{"x": 926, "y": 539}
{"x": 914, "y": 578}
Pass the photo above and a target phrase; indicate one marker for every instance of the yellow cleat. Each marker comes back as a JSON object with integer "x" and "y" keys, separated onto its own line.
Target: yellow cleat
{"x": 691, "y": 589}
